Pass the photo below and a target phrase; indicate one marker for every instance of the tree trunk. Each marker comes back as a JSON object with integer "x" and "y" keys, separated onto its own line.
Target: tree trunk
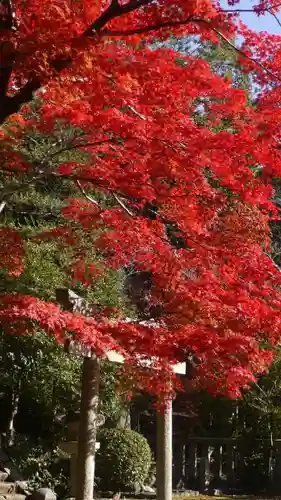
{"x": 88, "y": 429}
{"x": 10, "y": 435}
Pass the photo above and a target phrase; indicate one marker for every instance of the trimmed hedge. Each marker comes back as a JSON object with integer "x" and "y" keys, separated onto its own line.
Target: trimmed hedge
{"x": 124, "y": 459}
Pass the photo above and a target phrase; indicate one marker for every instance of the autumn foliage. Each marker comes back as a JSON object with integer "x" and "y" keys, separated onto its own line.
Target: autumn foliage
{"x": 186, "y": 205}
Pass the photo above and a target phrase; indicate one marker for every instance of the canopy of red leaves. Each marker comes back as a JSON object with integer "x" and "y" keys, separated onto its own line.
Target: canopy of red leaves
{"x": 219, "y": 291}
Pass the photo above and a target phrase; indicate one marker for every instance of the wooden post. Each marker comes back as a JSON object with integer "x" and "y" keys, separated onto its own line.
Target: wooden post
{"x": 178, "y": 464}
{"x": 84, "y": 479}
{"x": 192, "y": 464}
{"x": 164, "y": 446}
{"x": 241, "y": 462}
{"x": 230, "y": 464}
{"x": 88, "y": 429}
{"x": 204, "y": 467}
{"x": 164, "y": 453}
{"x": 218, "y": 463}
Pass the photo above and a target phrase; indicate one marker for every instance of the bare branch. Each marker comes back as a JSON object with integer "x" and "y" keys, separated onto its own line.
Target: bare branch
{"x": 2, "y": 206}
{"x": 80, "y": 145}
{"x": 116, "y": 197}
{"x": 10, "y": 105}
{"x": 251, "y": 11}
{"x": 88, "y": 198}
{"x": 92, "y": 200}
{"x": 275, "y": 17}
{"x": 115, "y": 9}
{"x": 147, "y": 29}
{"x": 142, "y": 117}
{"x": 242, "y": 53}
{"x": 37, "y": 175}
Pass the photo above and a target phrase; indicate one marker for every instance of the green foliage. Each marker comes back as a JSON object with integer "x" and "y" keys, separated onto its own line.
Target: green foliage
{"x": 45, "y": 379}
{"x": 112, "y": 401}
{"x": 33, "y": 368}
{"x": 43, "y": 466}
{"x": 123, "y": 460}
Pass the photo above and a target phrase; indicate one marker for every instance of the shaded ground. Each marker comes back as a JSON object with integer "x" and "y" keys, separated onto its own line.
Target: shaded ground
{"x": 226, "y": 497}
{"x": 207, "y": 497}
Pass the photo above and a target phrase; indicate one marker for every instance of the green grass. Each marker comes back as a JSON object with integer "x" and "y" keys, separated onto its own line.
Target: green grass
{"x": 225, "y": 497}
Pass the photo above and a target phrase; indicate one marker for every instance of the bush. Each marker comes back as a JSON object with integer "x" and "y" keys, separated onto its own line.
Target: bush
{"x": 123, "y": 460}
{"x": 41, "y": 466}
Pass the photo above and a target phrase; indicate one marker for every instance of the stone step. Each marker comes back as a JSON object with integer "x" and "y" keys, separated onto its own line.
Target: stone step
{"x": 6, "y": 488}
{"x": 3, "y": 476}
{"x": 12, "y": 496}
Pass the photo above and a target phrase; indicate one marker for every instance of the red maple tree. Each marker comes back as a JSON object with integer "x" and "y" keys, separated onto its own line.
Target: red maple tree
{"x": 186, "y": 206}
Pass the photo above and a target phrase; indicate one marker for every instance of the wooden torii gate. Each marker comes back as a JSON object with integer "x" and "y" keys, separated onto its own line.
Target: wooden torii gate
{"x": 89, "y": 418}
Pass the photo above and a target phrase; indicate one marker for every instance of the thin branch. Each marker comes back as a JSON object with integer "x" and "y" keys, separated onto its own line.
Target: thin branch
{"x": 142, "y": 117}
{"x": 2, "y": 206}
{"x": 10, "y": 105}
{"x": 147, "y": 29}
{"x": 251, "y": 11}
{"x": 116, "y": 197}
{"x": 114, "y": 10}
{"x": 156, "y": 27}
{"x": 92, "y": 200}
{"x": 238, "y": 11}
{"x": 275, "y": 17}
{"x": 275, "y": 5}
{"x": 89, "y": 198}
{"x": 81, "y": 145}
{"x": 260, "y": 389}
{"x": 241, "y": 52}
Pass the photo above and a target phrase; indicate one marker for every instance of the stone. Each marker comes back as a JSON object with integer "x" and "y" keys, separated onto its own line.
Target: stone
{"x": 218, "y": 493}
{"x": 191, "y": 493}
{"x": 22, "y": 487}
{"x": 13, "y": 496}
{"x": 148, "y": 489}
{"x": 6, "y": 488}
{"x": 137, "y": 488}
{"x": 152, "y": 480}
{"x": 43, "y": 494}
{"x": 3, "y": 476}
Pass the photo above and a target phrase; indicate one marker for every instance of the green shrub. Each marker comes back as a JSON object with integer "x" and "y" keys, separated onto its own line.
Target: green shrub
{"x": 123, "y": 460}
{"x": 41, "y": 466}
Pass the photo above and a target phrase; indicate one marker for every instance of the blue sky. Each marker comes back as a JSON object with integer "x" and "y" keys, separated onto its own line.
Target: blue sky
{"x": 262, "y": 23}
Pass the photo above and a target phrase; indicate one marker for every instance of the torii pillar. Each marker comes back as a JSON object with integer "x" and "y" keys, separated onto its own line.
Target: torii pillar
{"x": 164, "y": 459}
{"x": 164, "y": 446}
{"x": 164, "y": 453}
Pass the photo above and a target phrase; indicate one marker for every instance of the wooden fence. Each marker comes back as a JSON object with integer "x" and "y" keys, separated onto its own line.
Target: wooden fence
{"x": 226, "y": 464}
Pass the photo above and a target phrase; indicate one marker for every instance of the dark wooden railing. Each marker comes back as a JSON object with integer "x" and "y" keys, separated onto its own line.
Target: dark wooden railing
{"x": 207, "y": 464}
